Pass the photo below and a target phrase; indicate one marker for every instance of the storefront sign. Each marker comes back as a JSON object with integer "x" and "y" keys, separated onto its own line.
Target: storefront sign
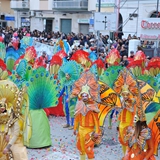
{"x": 86, "y": 21}
{"x": 150, "y": 37}
{"x": 150, "y": 25}
{"x": 9, "y": 18}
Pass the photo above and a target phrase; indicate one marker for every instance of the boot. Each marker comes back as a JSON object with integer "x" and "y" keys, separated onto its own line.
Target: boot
{"x": 82, "y": 157}
{"x": 71, "y": 128}
{"x": 66, "y": 126}
{"x": 68, "y": 123}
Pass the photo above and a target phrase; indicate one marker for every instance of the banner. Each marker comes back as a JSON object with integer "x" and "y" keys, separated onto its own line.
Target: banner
{"x": 40, "y": 47}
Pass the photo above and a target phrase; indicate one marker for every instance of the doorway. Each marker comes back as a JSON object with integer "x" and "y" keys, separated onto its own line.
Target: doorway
{"x": 66, "y": 25}
{"x": 49, "y": 25}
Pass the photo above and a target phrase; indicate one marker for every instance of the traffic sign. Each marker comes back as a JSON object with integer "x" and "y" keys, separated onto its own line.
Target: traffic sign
{"x": 105, "y": 21}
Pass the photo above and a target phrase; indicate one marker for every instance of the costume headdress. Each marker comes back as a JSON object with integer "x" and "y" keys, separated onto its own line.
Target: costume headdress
{"x": 30, "y": 54}
{"x": 153, "y": 67}
{"x": 113, "y": 58}
{"x": 87, "y": 84}
{"x": 127, "y": 83}
{"x": 71, "y": 68}
{"x": 82, "y": 57}
{"x": 55, "y": 64}
{"x": 11, "y": 96}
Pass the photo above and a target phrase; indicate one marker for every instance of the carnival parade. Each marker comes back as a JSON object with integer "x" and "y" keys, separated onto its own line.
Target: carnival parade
{"x": 83, "y": 88}
{"x": 78, "y": 81}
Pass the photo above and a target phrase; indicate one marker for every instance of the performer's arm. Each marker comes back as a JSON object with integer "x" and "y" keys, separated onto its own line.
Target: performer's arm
{"x": 14, "y": 134}
{"x": 96, "y": 122}
{"x": 150, "y": 150}
{"x": 61, "y": 92}
{"x": 76, "y": 122}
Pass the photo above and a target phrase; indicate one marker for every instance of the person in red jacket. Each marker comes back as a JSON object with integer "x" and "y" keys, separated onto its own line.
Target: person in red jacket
{"x": 42, "y": 60}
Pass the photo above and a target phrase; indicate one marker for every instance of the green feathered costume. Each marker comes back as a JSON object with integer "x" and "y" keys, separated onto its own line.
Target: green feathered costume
{"x": 42, "y": 93}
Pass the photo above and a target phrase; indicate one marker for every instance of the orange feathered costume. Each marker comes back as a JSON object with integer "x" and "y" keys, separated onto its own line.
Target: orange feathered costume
{"x": 86, "y": 114}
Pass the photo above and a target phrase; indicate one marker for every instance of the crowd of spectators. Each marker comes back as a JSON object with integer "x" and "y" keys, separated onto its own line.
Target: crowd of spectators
{"x": 90, "y": 42}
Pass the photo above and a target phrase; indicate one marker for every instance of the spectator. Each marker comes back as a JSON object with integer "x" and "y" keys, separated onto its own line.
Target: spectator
{"x": 131, "y": 57}
{"x": 124, "y": 62}
{"x": 123, "y": 51}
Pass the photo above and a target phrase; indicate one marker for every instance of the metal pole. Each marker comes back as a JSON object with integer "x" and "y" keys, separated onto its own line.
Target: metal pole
{"x": 117, "y": 10}
{"x": 137, "y": 19}
{"x": 99, "y": 6}
{"x": 98, "y": 32}
{"x": 99, "y": 10}
{"x": 157, "y": 7}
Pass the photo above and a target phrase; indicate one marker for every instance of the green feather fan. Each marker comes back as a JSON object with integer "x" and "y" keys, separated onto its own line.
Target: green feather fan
{"x": 110, "y": 75}
{"x": 42, "y": 90}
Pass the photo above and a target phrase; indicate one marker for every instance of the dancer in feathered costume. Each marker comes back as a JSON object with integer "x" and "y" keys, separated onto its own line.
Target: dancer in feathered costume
{"x": 55, "y": 64}
{"x": 86, "y": 114}
{"x": 139, "y": 139}
{"x": 126, "y": 87}
{"x": 67, "y": 75}
{"x": 42, "y": 93}
{"x": 149, "y": 87}
{"x": 11, "y": 124}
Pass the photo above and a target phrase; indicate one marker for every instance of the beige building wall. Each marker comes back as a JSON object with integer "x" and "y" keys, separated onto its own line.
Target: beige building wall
{"x": 5, "y": 7}
{"x": 41, "y": 4}
{"x": 6, "y": 10}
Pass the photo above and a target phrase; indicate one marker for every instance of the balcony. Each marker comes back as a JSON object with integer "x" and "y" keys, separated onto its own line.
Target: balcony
{"x": 72, "y": 5}
{"x": 19, "y": 5}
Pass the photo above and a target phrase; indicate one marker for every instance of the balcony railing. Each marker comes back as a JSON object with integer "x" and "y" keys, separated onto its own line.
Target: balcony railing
{"x": 19, "y": 5}
{"x": 70, "y": 5}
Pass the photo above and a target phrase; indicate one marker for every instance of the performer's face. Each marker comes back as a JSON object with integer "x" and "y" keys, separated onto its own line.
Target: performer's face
{"x": 17, "y": 76}
{"x": 67, "y": 76}
{"x": 2, "y": 107}
{"x": 85, "y": 97}
{"x": 125, "y": 95}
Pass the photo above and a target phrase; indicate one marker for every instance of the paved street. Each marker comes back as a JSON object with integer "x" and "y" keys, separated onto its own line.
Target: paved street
{"x": 64, "y": 144}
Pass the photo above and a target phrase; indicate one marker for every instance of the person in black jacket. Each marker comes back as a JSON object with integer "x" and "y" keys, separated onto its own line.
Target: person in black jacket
{"x": 125, "y": 62}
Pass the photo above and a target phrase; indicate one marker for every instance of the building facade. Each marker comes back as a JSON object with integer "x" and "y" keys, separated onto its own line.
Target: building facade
{"x": 74, "y": 15}
{"x": 139, "y": 18}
